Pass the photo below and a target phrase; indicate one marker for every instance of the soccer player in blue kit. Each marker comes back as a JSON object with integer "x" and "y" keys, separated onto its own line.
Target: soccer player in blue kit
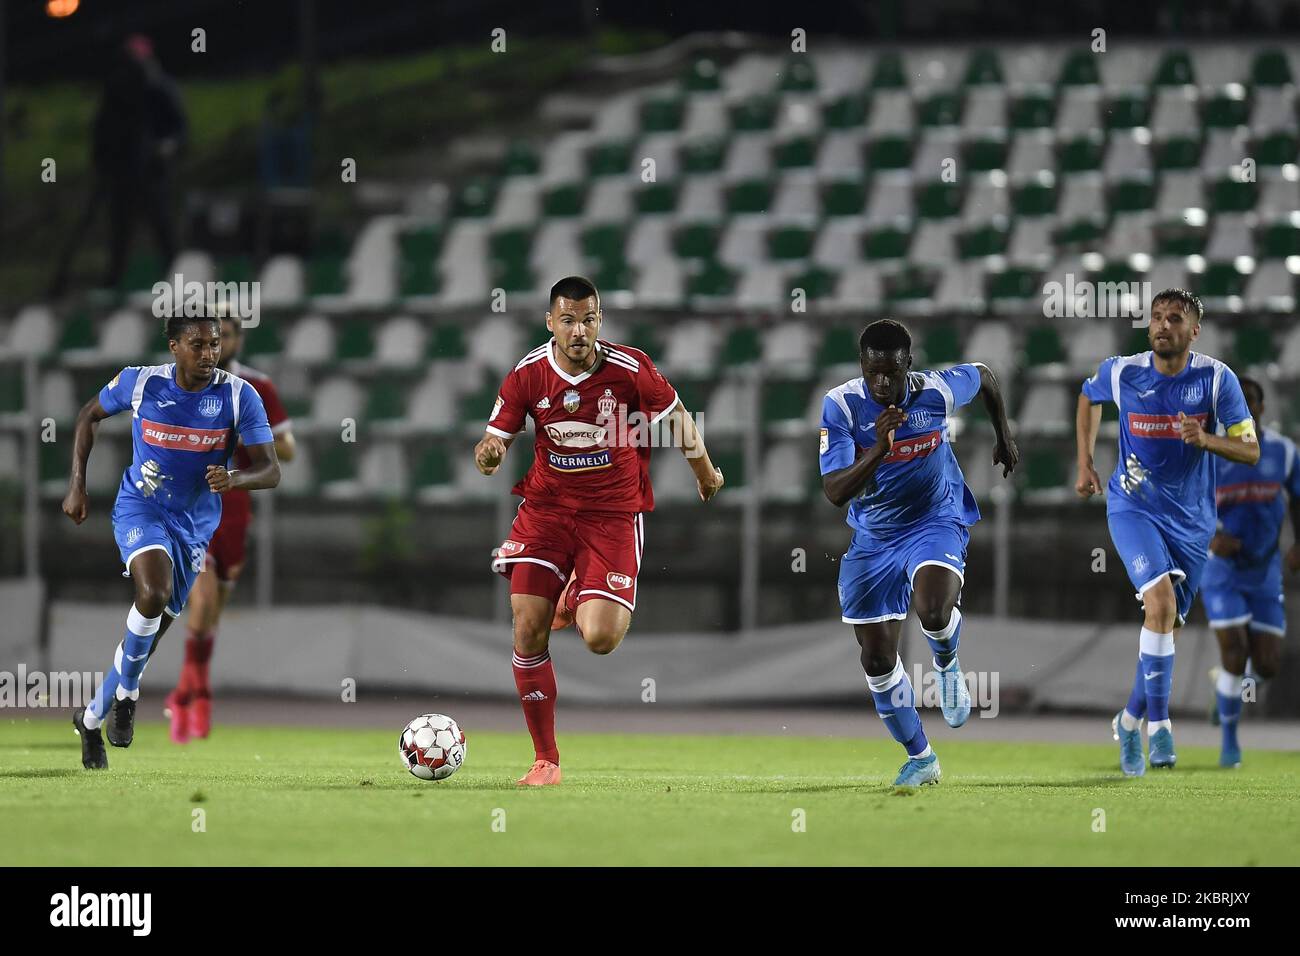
{"x": 185, "y": 418}
{"x": 886, "y": 451}
{"x": 1243, "y": 577}
{"x": 1160, "y": 500}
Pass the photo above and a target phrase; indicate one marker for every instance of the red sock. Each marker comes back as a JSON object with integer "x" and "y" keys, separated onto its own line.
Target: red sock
{"x": 194, "y": 673}
{"x": 535, "y": 678}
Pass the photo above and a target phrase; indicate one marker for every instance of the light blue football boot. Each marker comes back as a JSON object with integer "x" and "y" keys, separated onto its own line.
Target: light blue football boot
{"x": 1161, "y": 746}
{"x": 1130, "y": 748}
{"x": 918, "y": 771}
{"x": 954, "y": 695}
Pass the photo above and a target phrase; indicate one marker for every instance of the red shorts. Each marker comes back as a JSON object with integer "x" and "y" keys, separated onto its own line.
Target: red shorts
{"x": 226, "y": 553}
{"x": 546, "y": 544}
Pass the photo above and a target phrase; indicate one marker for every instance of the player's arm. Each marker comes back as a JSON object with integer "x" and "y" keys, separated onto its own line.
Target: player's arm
{"x": 263, "y": 471}
{"x": 1005, "y": 453}
{"x": 845, "y": 484}
{"x": 1087, "y": 423}
{"x": 708, "y": 479}
{"x": 76, "y": 503}
{"x": 490, "y": 451}
{"x": 1239, "y": 444}
{"x": 285, "y": 446}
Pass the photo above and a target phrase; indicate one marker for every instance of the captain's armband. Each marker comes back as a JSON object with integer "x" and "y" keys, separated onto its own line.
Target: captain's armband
{"x": 1245, "y": 431}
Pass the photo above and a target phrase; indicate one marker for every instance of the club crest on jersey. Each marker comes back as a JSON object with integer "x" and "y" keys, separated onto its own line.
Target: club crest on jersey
{"x": 571, "y": 400}
{"x": 1140, "y": 564}
{"x": 618, "y": 582}
{"x": 607, "y": 403}
{"x": 1193, "y": 393}
{"x": 134, "y": 535}
{"x": 919, "y": 418}
{"x": 210, "y": 406}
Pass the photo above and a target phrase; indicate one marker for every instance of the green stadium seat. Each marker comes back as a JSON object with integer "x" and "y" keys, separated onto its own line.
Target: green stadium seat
{"x": 839, "y": 345}
{"x": 567, "y": 199}
{"x": 614, "y": 275}
{"x": 417, "y": 278}
{"x": 511, "y": 245}
{"x": 1034, "y": 199}
{"x": 605, "y": 241}
{"x": 983, "y": 69}
{"x": 1175, "y": 69}
{"x": 1080, "y": 70}
{"x": 984, "y": 153}
{"x": 702, "y": 76}
{"x": 988, "y": 240}
{"x": 236, "y": 269}
{"x": 889, "y": 72}
{"x": 749, "y": 196}
{"x": 142, "y": 271}
{"x": 703, "y": 156}
{"x": 446, "y": 342}
{"x": 742, "y": 347}
{"x": 1043, "y": 346}
{"x": 790, "y": 242}
{"x": 755, "y": 113}
{"x": 609, "y": 159}
{"x": 796, "y": 153}
{"x": 1080, "y": 154}
{"x": 336, "y": 462}
{"x": 513, "y": 277}
{"x": 11, "y": 394}
{"x": 696, "y": 240}
{"x": 785, "y": 401}
{"x": 799, "y": 76}
{"x": 845, "y": 197}
{"x": 942, "y": 345}
{"x": 1279, "y": 239}
{"x": 642, "y": 336}
{"x": 325, "y": 274}
{"x": 1226, "y": 108}
{"x": 1178, "y": 238}
{"x": 662, "y": 114}
{"x": 711, "y": 281}
{"x": 1115, "y": 271}
{"x": 521, "y": 159}
{"x": 1014, "y": 283}
{"x": 940, "y": 109}
{"x": 386, "y": 400}
{"x": 1033, "y": 110}
{"x": 656, "y": 198}
{"x": 1229, "y": 195}
{"x": 910, "y": 284}
{"x": 817, "y": 283}
{"x": 421, "y": 245}
{"x": 845, "y": 112}
{"x": 356, "y": 341}
{"x": 78, "y": 333}
{"x": 1132, "y": 195}
{"x": 1219, "y": 280}
{"x": 1276, "y": 149}
{"x": 889, "y": 242}
{"x": 475, "y": 199}
{"x": 263, "y": 339}
{"x": 1044, "y": 469}
{"x": 1079, "y": 232}
{"x": 1178, "y": 152}
{"x": 1270, "y": 69}
{"x": 939, "y": 200}
{"x": 1254, "y": 346}
{"x": 889, "y": 152}
{"x": 1126, "y": 111}
{"x": 433, "y": 468}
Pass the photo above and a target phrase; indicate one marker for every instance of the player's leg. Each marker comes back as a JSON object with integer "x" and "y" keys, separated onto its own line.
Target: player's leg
{"x": 606, "y": 565}
{"x": 1234, "y": 647}
{"x": 936, "y": 564}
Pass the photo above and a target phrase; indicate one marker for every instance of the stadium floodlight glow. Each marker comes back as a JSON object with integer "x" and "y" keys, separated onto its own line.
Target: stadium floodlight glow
{"x": 1093, "y": 261}
{"x": 1141, "y": 135}
{"x": 1291, "y": 172}
{"x": 998, "y": 178}
{"x": 1244, "y": 264}
{"x": 1194, "y": 216}
{"x": 1234, "y": 91}
{"x": 1196, "y": 264}
{"x": 1139, "y": 262}
{"x": 1293, "y": 265}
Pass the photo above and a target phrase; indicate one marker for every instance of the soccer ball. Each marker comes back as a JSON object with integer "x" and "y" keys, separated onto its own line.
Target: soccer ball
{"x": 432, "y": 746}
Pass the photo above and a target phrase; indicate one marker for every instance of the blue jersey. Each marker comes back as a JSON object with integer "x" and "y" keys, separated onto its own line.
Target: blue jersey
{"x": 182, "y": 433}
{"x": 919, "y": 480}
{"x": 1252, "y": 506}
{"x": 1159, "y": 475}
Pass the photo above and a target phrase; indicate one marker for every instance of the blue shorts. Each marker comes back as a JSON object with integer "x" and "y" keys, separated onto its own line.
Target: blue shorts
{"x": 876, "y": 576}
{"x": 1149, "y": 553}
{"x": 1254, "y": 599}
{"x": 141, "y": 526}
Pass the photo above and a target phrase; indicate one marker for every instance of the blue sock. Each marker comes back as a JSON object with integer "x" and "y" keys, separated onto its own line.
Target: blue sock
{"x": 123, "y": 679}
{"x": 1157, "y": 660}
{"x": 1137, "y": 697}
{"x": 895, "y": 703}
{"x": 1228, "y": 693}
{"x": 944, "y": 643}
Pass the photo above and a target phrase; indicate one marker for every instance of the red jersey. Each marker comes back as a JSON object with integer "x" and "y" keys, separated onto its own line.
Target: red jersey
{"x": 591, "y": 450}
{"x": 240, "y": 502}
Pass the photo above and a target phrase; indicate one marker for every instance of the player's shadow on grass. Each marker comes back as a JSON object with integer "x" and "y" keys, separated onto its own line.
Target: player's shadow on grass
{"x": 38, "y": 773}
{"x": 40, "y": 745}
{"x": 1078, "y": 783}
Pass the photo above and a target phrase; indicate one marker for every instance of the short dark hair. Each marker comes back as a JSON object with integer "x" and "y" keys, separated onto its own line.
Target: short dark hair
{"x": 885, "y": 335}
{"x": 176, "y": 325}
{"x": 573, "y": 287}
{"x": 1249, "y": 383}
{"x": 1184, "y": 298}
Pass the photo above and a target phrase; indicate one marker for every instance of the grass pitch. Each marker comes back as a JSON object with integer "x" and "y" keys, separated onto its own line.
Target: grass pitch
{"x": 336, "y": 797}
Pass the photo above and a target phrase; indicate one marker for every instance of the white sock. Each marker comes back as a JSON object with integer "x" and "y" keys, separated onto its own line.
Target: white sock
{"x": 90, "y": 720}
{"x": 1128, "y": 721}
{"x": 1155, "y": 725}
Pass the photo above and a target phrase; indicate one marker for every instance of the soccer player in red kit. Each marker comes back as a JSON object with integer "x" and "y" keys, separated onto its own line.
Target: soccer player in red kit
{"x": 189, "y": 705}
{"x": 574, "y": 550}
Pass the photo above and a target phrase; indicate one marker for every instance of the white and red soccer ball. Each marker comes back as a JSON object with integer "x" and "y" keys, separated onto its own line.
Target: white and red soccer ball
{"x": 432, "y": 746}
